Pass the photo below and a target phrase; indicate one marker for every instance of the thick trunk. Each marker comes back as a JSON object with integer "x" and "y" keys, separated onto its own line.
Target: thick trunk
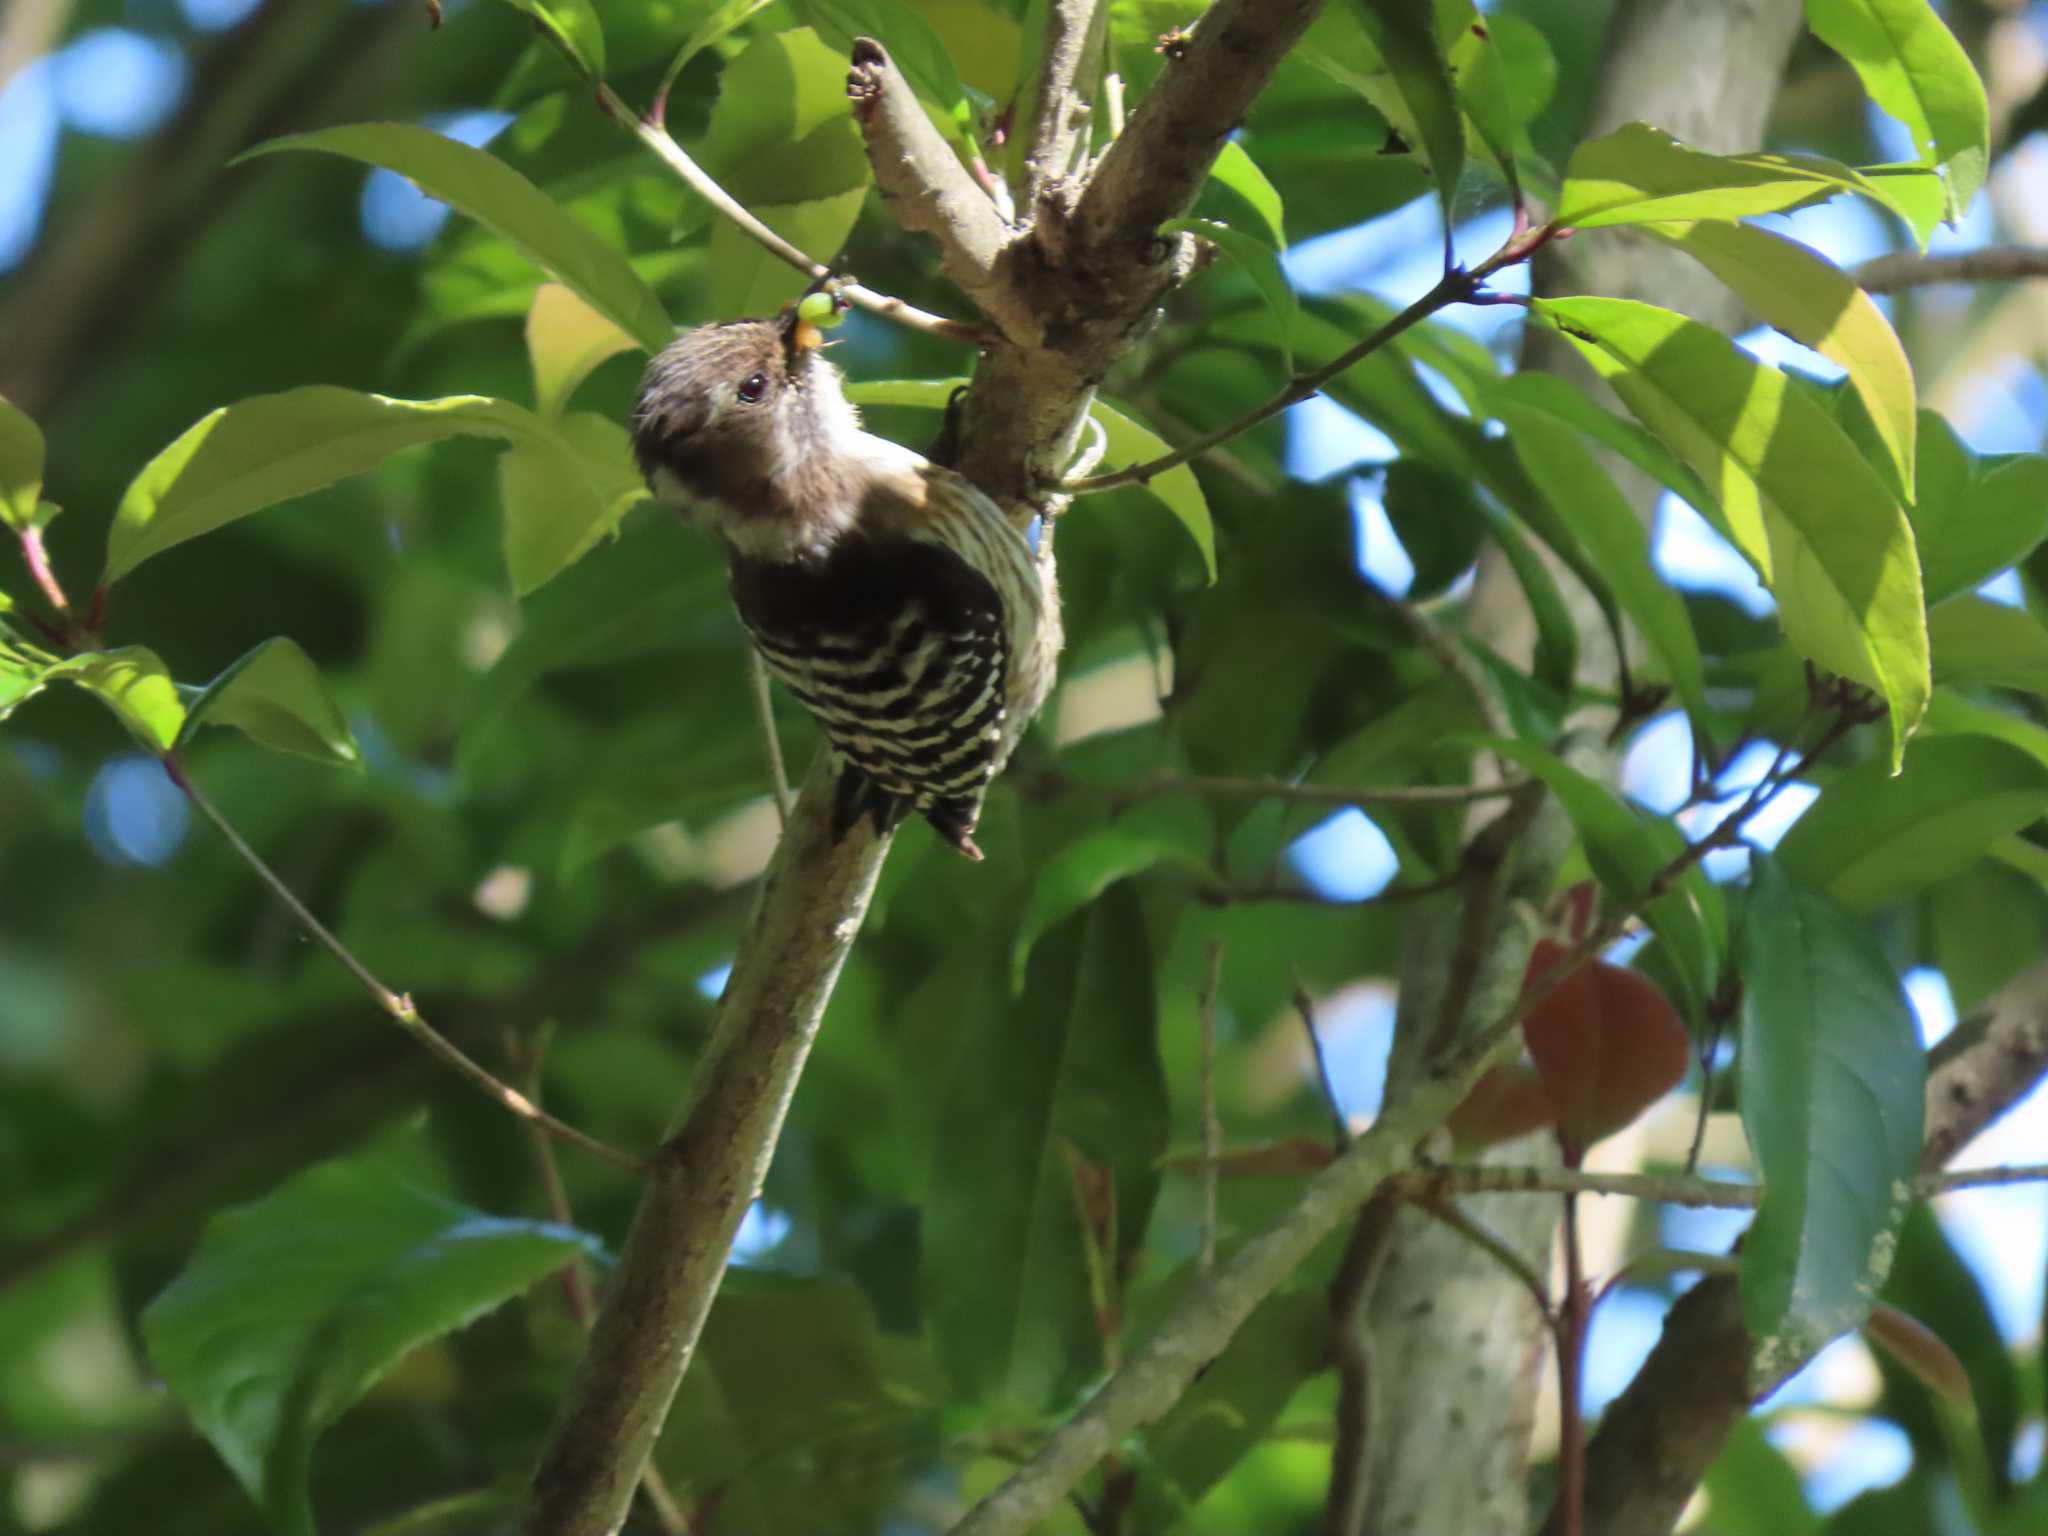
{"x": 1454, "y": 1334}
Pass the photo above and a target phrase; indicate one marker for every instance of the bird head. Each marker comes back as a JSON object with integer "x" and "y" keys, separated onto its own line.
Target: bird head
{"x": 735, "y": 418}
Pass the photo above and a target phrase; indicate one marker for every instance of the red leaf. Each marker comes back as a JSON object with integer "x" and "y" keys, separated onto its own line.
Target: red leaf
{"x": 1606, "y": 1043}
{"x": 1507, "y": 1102}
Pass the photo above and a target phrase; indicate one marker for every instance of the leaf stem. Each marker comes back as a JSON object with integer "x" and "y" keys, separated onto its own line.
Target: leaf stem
{"x": 771, "y": 740}
{"x": 397, "y": 1006}
{"x": 1212, "y": 1126}
{"x": 1306, "y": 1007}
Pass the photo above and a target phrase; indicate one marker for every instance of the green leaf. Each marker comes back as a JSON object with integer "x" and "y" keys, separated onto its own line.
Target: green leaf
{"x": 1232, "y": 1406}
{"x": 269, "y": 448}
{"x": 491, "y": 192}
{"x": 274, "y": 695}
{"x": 21, "y": 467}
{"x": 916, "y": 49}
{"x": 798, "y": 1413}
{"x": 1931, "y": 1282}
{"x": 566, "y": 340}
{"x": 1074, "y": 877}
{"x": 782, "y": 141}
{"x": 1641, "y": 175}
{"x": 1260, "y": 264}
{"x": 1482, "y": 86}
{"x": 1832, "y": 1084}
{"x": 1235, "y": 170}
{"x": 1556, "y": 662}
{"x": 1628, "y": 851}
{"x": 1754, "y": 1490}
{"x": 294, "y": 1306}
{"x": 1075, "y": 1063}
{"x": 134, "y": 684}
{"x": 1564, "y": 400}
{"x": 746, "y": 280}
{"x": 651, "y": 594}
{"x": 575, "y": 23}
{"x": 1983, "y": 928}
{"x": 1974, "y": 517}
{"x": 722, "y": 20}
{"x": 1816, "y": 303}
{"x": 1528, "y": 62}
{"x": 1811, "y": 514}
{"x": 562, "y": 496}
{"x": 1410, "y": 83}
{"x": 1980, "y": 643}
{"x": 1599, "y": 515}
{"x": 1872, "y": 838}
{"x": 1177, "y": 489}
{"x": 1913, "y": 67}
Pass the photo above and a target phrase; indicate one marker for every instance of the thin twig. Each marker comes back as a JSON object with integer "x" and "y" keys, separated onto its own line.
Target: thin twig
{"x": 1454, "y": 287}
{"x": 1351, "y": 1353}
{"x": 397, "y": 1006}
{"x": 38, "y": 560}
{"x": 771, "y": 739}
{"x": 1306, "y": 1007}
{"x": 1570, "y": 1331}
{"x": 1212, "y": 1126}
{"x": 658, "y": 139}
{"x": 1993, "y": 264}
{"x": 1363, "y": 797}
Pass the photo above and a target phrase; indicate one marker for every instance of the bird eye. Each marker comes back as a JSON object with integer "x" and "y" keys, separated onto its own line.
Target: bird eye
{"x": 754, "y": 388}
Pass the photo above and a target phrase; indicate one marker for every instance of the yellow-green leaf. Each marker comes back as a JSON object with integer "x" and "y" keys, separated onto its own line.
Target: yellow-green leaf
{"x": 1639, "y": 174}
{"x": 275, "y": 696}
{"x": 563, "y": 493}
{"x": 1913, "y": 67}
{"x": 1811, "y": 514}
{"x": 135, "y": 685}
{"x": 565, "y": 341}
{"x": 269, "y": 448}
{"x": 1816, "y": 303}
{"x": 21, "y": 467}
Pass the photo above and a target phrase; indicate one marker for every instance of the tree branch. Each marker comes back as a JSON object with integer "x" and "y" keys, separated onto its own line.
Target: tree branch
{"x": 1908, "y": 269}
{"x": 1970, "y": 1087}
{"x": 1152, "y": 171}
{"x": 931, "y": 192}
{"x": 704, "y": 1177}
{"x": 1058, "y": 133}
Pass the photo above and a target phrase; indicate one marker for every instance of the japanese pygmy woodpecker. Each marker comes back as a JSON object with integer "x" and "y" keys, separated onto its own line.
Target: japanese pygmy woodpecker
{"x": 887, "y": 593}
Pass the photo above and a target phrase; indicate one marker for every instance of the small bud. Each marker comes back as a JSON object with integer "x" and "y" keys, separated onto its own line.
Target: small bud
{"x": 824, "y": 308}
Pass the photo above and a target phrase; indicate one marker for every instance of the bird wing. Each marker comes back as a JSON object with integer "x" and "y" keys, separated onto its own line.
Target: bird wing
{"x": 899, "y": 649}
